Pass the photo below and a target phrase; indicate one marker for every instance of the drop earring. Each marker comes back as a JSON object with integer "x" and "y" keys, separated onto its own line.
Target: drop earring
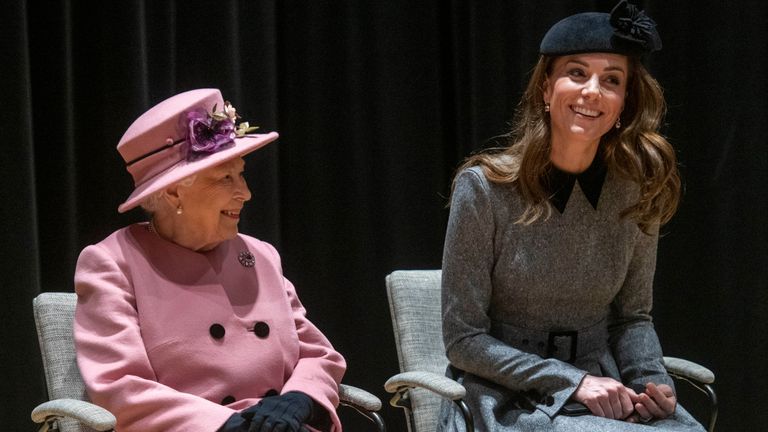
{"x": 618, "y": 123}
{"x": 179, "y": 210}
{"x": 546, "y": 107}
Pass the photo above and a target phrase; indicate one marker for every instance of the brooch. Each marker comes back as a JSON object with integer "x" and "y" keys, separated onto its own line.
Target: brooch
{"x": 246, "y": 259}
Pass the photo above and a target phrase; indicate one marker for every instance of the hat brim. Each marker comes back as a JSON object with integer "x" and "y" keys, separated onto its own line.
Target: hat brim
{"x": 183, "y": 169}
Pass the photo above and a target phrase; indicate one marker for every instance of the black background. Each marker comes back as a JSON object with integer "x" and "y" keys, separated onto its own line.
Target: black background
{"x": 376, "y": 102}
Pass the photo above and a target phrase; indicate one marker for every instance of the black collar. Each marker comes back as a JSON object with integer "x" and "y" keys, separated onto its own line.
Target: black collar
{"x": 559, "y": 183}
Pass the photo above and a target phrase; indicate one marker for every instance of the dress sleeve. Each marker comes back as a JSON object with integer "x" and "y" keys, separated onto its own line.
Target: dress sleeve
{"x": 113, "y": 360}
{"x": 633, "y": 339}
{"x": 468, "y": 260}
{"x": 320, "y": 367}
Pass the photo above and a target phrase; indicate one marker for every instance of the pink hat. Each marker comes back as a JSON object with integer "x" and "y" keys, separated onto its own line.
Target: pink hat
{"x": 180, "y": 136}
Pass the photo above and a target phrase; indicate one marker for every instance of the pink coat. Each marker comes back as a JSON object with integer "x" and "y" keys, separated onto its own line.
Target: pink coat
{"x": 173, "y": 340}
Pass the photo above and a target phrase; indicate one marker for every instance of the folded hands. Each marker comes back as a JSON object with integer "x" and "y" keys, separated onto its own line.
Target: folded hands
{"x": 606, "y": 397}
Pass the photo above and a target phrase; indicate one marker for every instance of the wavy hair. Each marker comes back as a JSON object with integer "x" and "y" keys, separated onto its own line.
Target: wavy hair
{"x": 636, "y": 151}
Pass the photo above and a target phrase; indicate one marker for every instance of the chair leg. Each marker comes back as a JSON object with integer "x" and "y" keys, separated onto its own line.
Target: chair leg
{"x": 401, "y": 400}
{"x": 713, "y": 401}
{"x": 378, "y": 421}
{"x": 373, "y": 416}
{"x": 469, "y": 422}
{"x": 48, "y": 426}
{"x": 706, "y": 389}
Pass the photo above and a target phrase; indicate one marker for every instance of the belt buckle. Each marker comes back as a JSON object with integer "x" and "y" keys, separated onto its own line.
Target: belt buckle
{"x": 574, "y": 335}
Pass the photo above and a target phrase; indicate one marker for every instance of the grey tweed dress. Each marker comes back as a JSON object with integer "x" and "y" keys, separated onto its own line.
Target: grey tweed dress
{"x": 529, "y": 310}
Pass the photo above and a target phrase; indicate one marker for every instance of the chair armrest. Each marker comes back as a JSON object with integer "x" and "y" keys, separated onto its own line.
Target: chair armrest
{"x": 439, "y": 384}
{"x": 86, "y": 413}
{"x": 688, "y": 369}
{"x": 364, "y": 403}
{"x": 358, "y": 398}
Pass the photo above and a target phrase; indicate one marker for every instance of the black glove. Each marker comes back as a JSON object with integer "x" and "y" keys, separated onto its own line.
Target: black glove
{"x": 284, "y": 413}
{"x": 235, "y": 423}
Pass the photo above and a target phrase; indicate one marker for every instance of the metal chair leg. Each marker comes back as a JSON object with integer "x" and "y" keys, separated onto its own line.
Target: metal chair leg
{"x": 467, "y": 414}
{"x": 713, "y": 401}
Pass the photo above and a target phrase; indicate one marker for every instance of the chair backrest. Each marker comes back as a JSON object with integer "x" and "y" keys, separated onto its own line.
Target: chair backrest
{"x": 54, "y": 314}
{"x": 414, "y": 302}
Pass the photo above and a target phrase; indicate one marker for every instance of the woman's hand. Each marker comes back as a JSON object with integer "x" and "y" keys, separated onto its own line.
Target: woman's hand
{"x": 658, "y": 402}
{"x": 606, "y": 397}
{"x": 235, "y": 423}
{"x": 284, "y": 413}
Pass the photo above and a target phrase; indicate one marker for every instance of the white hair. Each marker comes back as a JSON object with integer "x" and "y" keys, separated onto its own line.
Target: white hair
{"x": 153, "y": 202}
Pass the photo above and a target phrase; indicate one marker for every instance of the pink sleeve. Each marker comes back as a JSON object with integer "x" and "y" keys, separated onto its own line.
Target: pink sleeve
{"x": 113, "y": 360}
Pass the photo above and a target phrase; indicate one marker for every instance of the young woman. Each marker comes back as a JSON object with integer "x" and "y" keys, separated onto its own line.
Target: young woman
{"x": 551, "y": 245}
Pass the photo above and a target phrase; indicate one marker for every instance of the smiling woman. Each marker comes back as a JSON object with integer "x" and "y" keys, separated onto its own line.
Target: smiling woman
{"x": 182, "y": 323}
{"x": 550, "y": 250}
{"x": 205, "y": 212}
{"x": 584, "y": 95}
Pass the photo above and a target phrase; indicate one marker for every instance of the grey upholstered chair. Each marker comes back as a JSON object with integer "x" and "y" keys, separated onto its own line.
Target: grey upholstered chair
{"x": 68, "y": 409}
{"x": 414, "y": 301}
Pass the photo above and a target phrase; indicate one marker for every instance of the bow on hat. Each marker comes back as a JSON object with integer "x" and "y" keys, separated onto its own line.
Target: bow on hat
{"x": 633, "y": 25}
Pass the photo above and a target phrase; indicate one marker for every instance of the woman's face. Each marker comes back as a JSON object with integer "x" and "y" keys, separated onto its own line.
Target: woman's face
{"x": 212, "y": 204}
{"x": 586, "y": 96}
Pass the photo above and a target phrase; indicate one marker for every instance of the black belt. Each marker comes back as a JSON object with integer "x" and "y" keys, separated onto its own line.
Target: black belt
{"x": 565, "y": 345}
{"x": 552, "y": 347}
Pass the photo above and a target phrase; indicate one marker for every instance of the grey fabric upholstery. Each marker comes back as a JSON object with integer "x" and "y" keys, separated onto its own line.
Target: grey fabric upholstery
{"x": 689, "y": 369}
{"x": 414, "y": 301}
{"x": 415, "y": 306}
{"x": 68, "y": 404}
{"x": 84, "y": 412}
{"x": 414, "y": 297}
{"x": 358, "y": 398}
{"x": 54, "y": 314}
{"x": 433, "y": 382}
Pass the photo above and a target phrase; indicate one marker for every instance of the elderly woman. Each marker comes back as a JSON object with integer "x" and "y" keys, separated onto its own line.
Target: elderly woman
{"x": 182, "y": 324}
{"x": 551, "y": 245}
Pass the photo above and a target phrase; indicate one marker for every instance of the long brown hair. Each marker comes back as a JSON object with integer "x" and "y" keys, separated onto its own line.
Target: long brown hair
{"x": 636, "y": 151}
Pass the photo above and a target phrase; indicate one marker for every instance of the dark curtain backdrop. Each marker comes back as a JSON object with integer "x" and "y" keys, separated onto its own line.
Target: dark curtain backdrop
{"x": 376, "y": 102}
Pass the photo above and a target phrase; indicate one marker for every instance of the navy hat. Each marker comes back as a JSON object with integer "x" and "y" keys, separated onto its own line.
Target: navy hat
{"x": 626, "y": 30}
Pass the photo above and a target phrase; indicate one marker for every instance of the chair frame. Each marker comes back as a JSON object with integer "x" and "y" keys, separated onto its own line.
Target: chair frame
{"x": 65, "y": 385}
{"x": 404, "y": 382}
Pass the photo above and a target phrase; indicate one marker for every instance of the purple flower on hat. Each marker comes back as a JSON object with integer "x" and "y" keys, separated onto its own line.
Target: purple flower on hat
{"x": 211, "y": 132}
{"x": 633, "y": 25}
{"x": 207, "y": 134}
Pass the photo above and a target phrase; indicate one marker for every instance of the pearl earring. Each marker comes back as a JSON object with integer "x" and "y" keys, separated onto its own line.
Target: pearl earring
{"x": 546, "y": 107}
{"x": 179, "y": 210}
